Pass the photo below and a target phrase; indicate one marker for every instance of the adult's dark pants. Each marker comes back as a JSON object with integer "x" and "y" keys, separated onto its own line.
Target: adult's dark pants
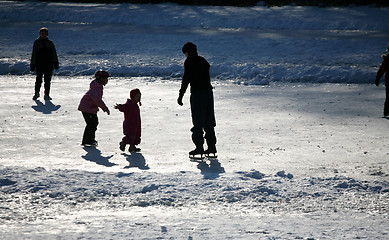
{"x": 91, "y": 126}
{"x": 386, "y": 108}
{"x": 203, "y": 117}
{"x": 40, "y": 75}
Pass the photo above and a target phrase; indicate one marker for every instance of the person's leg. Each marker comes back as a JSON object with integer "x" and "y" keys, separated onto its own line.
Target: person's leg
{"x": 198, "y": 137}
{"x": 198, "y": 111}
{"x": 90, "y": 128}
{"x": 47, "y": 79}
{"x": 132, "y": 141}
{"x": 386, "y": 108}
{"x": 210, "y": 124}
{"x": 210, "y": 136}
{"x": 38, "y": 84}
{"x": 123, "y": 143}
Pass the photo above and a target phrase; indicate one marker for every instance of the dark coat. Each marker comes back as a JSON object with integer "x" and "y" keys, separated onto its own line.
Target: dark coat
{"x": 196, "y": 73}
{"x": 44, "y": 56}
{"x": 384, "y": 68}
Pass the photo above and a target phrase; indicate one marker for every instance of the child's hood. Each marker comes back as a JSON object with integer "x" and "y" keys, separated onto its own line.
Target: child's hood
{"x": 129, "y": 101}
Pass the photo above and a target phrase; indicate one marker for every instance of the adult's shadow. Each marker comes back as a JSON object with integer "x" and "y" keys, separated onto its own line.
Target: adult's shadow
{"x": 136, "y": 160}
{"x": 46, "y": 108}
{"x": 94, "y": 155}
{"x": 211, "y": 170}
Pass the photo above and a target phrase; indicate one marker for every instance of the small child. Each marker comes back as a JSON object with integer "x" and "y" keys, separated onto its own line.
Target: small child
{"x": 132, "y": 122}
{"x": 90, "y": 104}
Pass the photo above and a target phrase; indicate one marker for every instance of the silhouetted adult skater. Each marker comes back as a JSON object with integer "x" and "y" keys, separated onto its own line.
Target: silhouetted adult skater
{"x": 196, "y": 74}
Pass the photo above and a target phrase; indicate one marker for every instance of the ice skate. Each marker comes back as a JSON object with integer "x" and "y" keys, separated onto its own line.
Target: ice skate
{"x": 94, "y": 144}
{"x": 211, "y": 152}
{"x": 198, "y": 153}
{"x": 47, "y": 97}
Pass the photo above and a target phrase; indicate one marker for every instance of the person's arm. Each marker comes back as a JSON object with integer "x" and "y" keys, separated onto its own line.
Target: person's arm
{"x": 97, "y": 97}
{"x": 55, "y": 58}
{"x": 184, "y": 84}
{"x": 33, "y": 58}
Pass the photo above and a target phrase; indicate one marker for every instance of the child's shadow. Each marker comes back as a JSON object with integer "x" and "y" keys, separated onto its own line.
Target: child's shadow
{"x": 211, "y": 170}
{"x": 94, "y": 155}
{"x": 46, "y": 108}
{"x": 136, "y": 160}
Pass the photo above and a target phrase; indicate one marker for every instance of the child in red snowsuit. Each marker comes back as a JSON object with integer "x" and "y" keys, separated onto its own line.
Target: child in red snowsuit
{"x": 132, "y": 122}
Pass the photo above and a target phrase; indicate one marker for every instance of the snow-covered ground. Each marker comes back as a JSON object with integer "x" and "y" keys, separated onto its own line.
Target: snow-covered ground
{"x": 303, "y": 149}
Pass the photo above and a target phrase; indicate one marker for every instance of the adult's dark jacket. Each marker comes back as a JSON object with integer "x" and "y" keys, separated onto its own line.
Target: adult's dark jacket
{"x": 196, "y": 73}
{"x": 44, "y": 56}
{"x": 384, "y": 68}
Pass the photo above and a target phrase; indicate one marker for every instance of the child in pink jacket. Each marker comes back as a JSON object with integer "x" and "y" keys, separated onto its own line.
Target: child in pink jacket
{"x": 89, "y": 106}
{"x": 132, "y": 122}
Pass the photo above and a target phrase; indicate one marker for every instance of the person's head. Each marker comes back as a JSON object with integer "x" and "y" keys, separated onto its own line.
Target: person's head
{"x": 136, "y": 96}
{"x": 43, "y": 32}
{"x": 189, "y": 48}
{"x": 102, "y": 77}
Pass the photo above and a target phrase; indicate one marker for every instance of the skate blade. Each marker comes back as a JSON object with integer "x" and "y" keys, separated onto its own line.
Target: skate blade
{"x": 89, "y": 145}
{"x": 195, "y": 157}
{"x": 211, "y": 155}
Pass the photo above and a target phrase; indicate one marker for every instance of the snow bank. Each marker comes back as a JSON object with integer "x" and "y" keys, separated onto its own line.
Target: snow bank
{"x": 183, "y": 188}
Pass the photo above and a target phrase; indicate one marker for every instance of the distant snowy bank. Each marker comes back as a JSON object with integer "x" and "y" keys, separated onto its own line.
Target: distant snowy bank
{"x": 250, "y": 45}
{"x": 287, "y": 17}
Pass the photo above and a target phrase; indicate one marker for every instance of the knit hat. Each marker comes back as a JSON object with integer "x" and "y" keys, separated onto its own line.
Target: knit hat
{"x": 134, "y": 92}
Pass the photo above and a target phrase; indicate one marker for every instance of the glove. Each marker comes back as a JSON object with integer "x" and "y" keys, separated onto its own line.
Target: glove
{"x": 108, "y": 112}
{"x": 32, "y": 67}
{"x": 377, "y": 82}
{"x": 179, "y": 100}
{"x": 56, "y": 66}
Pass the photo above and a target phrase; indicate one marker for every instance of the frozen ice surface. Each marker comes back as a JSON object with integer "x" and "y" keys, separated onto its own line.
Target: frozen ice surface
{"x": 309, "y": 164}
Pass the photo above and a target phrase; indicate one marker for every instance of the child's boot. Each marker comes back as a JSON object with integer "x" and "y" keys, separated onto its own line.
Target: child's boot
{"x": 122, "y": 146}
{"x": 133, "y": 149}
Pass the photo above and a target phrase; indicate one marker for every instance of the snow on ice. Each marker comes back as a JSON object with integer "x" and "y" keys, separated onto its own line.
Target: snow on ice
{"x": 303, "y": 149}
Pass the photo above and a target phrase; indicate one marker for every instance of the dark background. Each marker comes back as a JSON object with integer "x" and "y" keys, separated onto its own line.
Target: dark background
{"x": 245, "y": 3}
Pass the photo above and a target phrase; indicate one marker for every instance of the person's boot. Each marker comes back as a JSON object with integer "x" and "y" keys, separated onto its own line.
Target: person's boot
{"x": 133, "y": 149}
{"x": 36, "y": 96}
{"x": 122, "y": 146}
{"x": 197, "y": 151}
{"x": 211, "y": 152}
